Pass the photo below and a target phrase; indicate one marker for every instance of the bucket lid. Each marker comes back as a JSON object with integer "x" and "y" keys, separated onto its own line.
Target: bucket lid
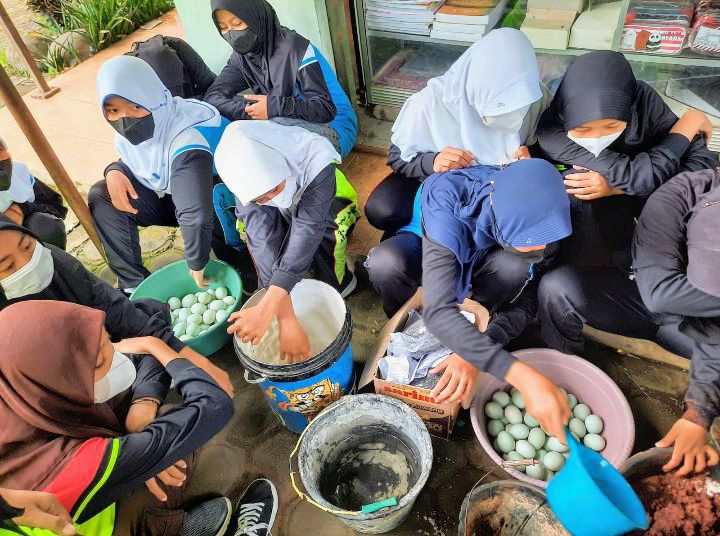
{"x": 590, "y": 497}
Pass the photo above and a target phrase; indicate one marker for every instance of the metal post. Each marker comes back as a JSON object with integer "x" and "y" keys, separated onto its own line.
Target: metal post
{"x": 23, "y": 117}
{"x": 44, "y": 91}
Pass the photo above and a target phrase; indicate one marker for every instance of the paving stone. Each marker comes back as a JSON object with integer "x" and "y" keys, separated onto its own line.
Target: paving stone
{"x": 168, "y": 257}
{"x": 107, "y": 275}
{"x": 179, "y": 242}
{"x": 71, "y": 221}
{"x": 90, "y": 253}
{"x": 75, "y": 239}
{"x": 156, "y": 238}
{"x": 222, "y": 470}
{"x": 253, "y": 419}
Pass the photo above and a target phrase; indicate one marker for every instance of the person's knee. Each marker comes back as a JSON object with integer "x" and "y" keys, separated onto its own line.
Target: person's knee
{"x": 381, "y": 212}
{"x": 558, "y": 290}
{"x": 387, "y": 263}
{"x": 98, "y": 196}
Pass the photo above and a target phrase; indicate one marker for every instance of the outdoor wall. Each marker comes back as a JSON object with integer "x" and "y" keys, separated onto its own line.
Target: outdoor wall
{"x": 307, "y": 17}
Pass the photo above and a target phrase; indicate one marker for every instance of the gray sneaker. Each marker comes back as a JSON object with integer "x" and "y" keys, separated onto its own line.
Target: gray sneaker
{"x": 256, "y": 509}
{"x": 210, "y": 518}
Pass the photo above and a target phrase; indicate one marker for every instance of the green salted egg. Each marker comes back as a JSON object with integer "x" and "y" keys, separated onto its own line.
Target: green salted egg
{"x": 184, "y": 337}
{"x": 581, "y": 411}
{"x": 506, "y": 442}
{"x": 539, "y": 455}
{"x": 553, "y": 461}
{"x": 577, "y": 427}
{"x": 536, "y": 437}
{"x": 525, "y": 448}
{"x": 493, "y": 410}
{"x": 536, "y": 471}
{"x": 554, "y": 443}
{"x": 594, "y": 424}
{"x": 189, "y": 300}
{"x": 209, "y": 317}
{"x": 221, "y": 293}
{"x": 198, "y": 308}
{"x": 229, "y": 301}
{"x": 517, "y": 400}
{"x": 519, "y": 431}
{"x": 180, "y": 329}
{"x": 204, "y": 297}
{"x": 217, "y": 305}
{"x": 513, "y": 415}
{"x": 504, "y": 420}
{"x": 174, "y": 303}
{"x": 183, "y": 314}
{"x": 193, "y": 330}
{"x": 495, "y": 427}
{"x": 514, "y": 456}
{"x": 531, "y": 421}
{"x": 203, "y": 332}
{"x": 173, "y": 316}
{"x": 221, "y": 316}
{"x": 572, "y": 400}
{"x": 496, "y": 447}
{"x": 194, "y": 319}
{"x": 594, "y": 441}
{"x": 204, "y": 327}
{"x": 502, "y": 398}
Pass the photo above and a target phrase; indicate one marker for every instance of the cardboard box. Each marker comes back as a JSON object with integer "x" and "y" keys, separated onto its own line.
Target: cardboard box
{"x": 548, "y": 28}
{"x": 564, "y": 5}
{"x": 439, "y": 418}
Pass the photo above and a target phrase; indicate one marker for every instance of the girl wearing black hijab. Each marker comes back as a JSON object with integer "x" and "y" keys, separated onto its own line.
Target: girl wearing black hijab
{"x": 291, "y": 81}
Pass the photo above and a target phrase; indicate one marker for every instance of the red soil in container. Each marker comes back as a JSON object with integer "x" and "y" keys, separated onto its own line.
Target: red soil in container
{"x": 680, "y": 505}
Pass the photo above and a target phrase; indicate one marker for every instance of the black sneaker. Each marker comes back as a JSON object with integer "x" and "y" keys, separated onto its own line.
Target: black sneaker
{"x": 349, "y": 284}
{"x": 210, "y": 518}
{"x": 256, "y": 509}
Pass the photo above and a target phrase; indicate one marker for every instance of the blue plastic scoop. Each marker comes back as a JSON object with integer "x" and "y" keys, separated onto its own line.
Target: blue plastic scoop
{"x": 591, "y": 498}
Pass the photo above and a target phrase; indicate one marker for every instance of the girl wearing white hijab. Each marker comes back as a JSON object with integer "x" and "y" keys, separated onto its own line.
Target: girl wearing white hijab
{"x": 297, "y": 210}
{"x": 165, "y": 174}
{"x": 483, "y": 111}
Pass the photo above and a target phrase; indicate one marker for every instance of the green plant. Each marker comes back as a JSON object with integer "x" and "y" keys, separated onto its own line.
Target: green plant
{"x": 103, "y": 21}
{"x": 50, "y": 27}
{"x": 52, "y": 8}
{"x": 141, "y": 11}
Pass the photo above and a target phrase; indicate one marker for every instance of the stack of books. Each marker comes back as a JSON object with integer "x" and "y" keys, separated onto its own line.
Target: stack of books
{"x": 404, "y": 16}
{"x": 467, "y": 20}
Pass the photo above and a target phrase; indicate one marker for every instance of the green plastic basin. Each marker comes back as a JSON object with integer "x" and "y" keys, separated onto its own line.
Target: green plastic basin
{"x": 174, "y": 280}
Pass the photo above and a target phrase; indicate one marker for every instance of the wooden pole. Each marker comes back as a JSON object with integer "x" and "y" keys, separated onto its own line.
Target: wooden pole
{"x": 44, "y": 91}
{"x": 23, "y": 117}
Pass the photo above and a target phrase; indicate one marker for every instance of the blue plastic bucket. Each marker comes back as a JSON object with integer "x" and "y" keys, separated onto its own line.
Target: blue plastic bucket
{"x": 591, "y": 498}
{"x": 298, "y": 392}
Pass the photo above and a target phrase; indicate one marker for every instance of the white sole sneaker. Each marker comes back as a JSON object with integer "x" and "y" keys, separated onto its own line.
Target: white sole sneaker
{"x": 350, "y": 288}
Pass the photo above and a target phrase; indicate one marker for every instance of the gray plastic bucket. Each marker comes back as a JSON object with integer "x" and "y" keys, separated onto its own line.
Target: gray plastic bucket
{"x": 361, "y": 450}
{"x": 508, "y": 508}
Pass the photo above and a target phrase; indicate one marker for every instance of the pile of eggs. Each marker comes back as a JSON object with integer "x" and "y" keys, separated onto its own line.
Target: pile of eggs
{"x": 518, "y": 436}
{"x": 194, "y": 314}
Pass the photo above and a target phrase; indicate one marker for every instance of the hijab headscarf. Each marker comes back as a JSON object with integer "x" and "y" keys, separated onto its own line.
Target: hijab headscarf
{"x": 495, "y": 76}
{"x": 21, "y": 187}
{"x": 275, "y": 44}
{"x": 597, "y": 85}
{"x": 472, "y": 210}
{"x": 134, "y": 80}
{"x": 47, "y": 407}
{"x": 253, "y": 157}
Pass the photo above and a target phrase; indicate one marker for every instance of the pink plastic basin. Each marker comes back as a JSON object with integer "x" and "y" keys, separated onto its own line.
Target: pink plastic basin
{"x": 579, "y": 377}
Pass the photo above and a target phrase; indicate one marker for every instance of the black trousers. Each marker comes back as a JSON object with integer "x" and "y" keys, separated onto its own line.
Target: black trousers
{"x": 395, "y": 270}
{"x": 606, "y": 299}
{"x": 121, "y": 238}
{"x": 390, "y": 205}
{"x": 48, "y": 228}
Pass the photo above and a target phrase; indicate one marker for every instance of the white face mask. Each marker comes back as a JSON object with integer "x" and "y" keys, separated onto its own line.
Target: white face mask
{"x": 510, "y": 122}
{"x": 119, "y": 378}
{"x": 32, "y": 278}
{"x": 596, "y": 145}
{"x": 284, "y": 199}
{"x": 5, "y": 201}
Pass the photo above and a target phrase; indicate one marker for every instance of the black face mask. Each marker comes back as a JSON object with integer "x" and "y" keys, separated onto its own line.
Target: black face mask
{"x": 242, "y": 41}
{"x": 5, "y": 174}
{"x": 135, "y": 129}
{"x": 531, "y": 257}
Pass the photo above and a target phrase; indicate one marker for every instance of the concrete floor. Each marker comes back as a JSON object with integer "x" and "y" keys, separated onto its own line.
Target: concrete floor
{"x": 255, "y": 444}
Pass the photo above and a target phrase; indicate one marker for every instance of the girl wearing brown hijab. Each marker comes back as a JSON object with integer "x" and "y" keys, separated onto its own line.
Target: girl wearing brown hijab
{"x": 61, "y": 429}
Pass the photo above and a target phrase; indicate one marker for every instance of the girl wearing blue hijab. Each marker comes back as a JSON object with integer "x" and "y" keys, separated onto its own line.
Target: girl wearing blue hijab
{"x": 485, "y": 229}
{"x": 165, "y": 172}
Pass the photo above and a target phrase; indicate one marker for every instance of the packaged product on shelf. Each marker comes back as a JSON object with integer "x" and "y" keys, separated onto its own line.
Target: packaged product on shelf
{"x": 705, "y": 34}
{"x": 563, "y": 5}
{"x": 548, "y": 28}
{"x": 594, "y": 29}
{"x": 657, "y": 27}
